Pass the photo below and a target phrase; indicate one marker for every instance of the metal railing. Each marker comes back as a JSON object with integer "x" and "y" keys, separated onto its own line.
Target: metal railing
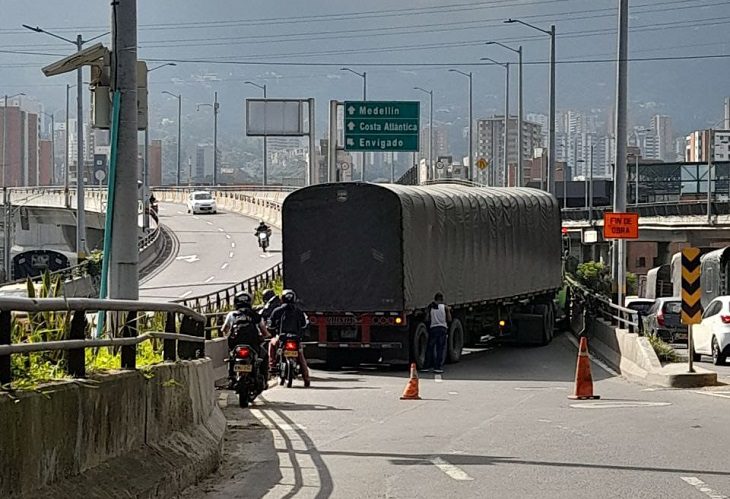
{"x": 672, "y": 209}
{"x": 600, "y": 306}
{"x": 183, "y": 342}
{"x": 224, "y": 188}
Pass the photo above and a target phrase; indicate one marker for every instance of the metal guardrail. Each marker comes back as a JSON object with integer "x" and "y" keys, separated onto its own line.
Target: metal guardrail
{"x": 183, "y": 342}
{"x": 224, "y": 188}
{"x": 457, "y": 181}
{"x": 671, "y": 209}
{"x": 601, "y": 306}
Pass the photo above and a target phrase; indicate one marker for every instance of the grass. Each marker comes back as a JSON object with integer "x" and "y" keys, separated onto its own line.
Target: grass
{"x": 664, "y": 351}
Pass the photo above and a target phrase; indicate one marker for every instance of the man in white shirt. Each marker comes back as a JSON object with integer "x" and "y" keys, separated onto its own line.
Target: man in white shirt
{"x": 439, "y": 317}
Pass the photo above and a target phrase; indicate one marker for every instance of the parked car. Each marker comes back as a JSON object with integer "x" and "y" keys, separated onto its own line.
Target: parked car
{"x": 663, "y": 319}
{"x": 712, "y": 335}
{"x": 201, "y": 202}
{"x": 641, "y": 305}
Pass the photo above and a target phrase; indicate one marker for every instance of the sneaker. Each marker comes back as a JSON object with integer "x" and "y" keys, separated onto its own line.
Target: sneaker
{"x": 438, "y": 371}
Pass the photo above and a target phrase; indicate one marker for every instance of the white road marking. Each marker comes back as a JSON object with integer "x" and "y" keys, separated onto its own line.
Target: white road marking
{"x": 196, "y": 218}
{"x": 233, "y": 245}
{"x": 596, "y": 361}
{"x": 189, "y": 258}
{"x": 209, "y": 223}
{"x": 221, "y": 230}
{"x": 702, "y": 487}
{"x": 186, "y": 294}
{"x": 210, "y": 278}
{"x": 179, "y": 212}
{"x": 724, "y": 395}
{"x": 230, "y": 255}
{"x": 266, "y": 255}
{"x": 453, "y": 393}
{"x": 223, "y": 400}
{"x": 223, "y": 267}
{"x": 452, "y": 471}
{"x": 437, "y": 378}
{"x": 618, "y": 405}
{"x": 228, "y": 236}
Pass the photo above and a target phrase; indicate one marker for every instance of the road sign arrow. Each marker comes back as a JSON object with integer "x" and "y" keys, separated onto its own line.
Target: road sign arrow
{"x": 351, "y": 110}
{"x": 350, "y": 142}
{"x": 350, "y": 125}
{"x": 189, "y": 259}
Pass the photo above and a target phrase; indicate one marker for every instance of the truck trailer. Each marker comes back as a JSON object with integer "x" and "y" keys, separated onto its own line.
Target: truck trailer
{"x": 366, "y": 260}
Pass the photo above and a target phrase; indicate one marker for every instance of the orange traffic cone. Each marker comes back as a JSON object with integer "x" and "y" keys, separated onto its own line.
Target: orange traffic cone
{"x": 411, "y": 391}
{"x": 583, "y": 378}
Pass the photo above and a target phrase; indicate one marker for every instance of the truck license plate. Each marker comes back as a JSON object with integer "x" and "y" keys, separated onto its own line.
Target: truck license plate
{"x": 348, "y": 334}
{"x": 242, "y": 368}
{"x": 291, "y": 353}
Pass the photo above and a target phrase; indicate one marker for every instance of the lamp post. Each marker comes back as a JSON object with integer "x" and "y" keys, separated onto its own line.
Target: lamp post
{"x": 469, "y": 174}
{"x": 146, "y": 168}
{"x": 505, "y": 145}
{"x": 215, "y": 107}
{"x": 80, "y": 213}
{"x": 364, "y": 77}
{"x": 520, "y": 113}
{"x": 430, "y": 130}
{"x": 266, "y": 154}
{"x": 551, "y": 112}
{"x": 179, "y": 128}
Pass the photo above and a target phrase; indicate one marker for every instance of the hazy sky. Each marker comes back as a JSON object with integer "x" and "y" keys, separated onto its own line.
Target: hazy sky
{"x": 238, "y": 40}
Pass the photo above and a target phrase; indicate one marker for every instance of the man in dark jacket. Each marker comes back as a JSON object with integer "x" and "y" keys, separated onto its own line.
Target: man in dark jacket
{"x": 289, "y": 319}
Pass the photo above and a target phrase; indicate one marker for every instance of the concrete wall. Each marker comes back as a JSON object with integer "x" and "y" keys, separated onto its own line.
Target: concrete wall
{"x": 121, "y": 435}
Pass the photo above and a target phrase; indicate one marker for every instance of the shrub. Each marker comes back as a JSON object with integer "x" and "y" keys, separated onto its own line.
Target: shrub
{"x": 664, "y": 351}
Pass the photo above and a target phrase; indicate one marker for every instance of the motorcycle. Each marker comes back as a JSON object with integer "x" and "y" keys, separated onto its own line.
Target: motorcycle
{"x": 263, "y": 240}
{"x": 288, "y": 359}
{"x": 249, "y": 374}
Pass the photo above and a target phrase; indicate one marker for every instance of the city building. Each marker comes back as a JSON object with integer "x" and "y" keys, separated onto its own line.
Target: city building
{"x": 19, "y": 160}
{"x": 697, "y": 146}
{"x": 204, "y": 162}
{"x": 440, "y": 142}
{"x": 490, "y": 141}
{"x": 45, "y": 162}
{"x": 154, "y": 169}
{"x": 662, "y": 127}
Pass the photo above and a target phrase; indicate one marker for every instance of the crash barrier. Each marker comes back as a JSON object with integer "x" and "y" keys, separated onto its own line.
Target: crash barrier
{"x": 597, "y": 305}
{"x": 127, "y": 434}
{"x": 648, "y": 210}
{"x": 251, "y": 201}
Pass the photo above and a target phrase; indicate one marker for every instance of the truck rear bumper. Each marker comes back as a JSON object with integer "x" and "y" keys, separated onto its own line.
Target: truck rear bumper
{"x": 355, "y": 353}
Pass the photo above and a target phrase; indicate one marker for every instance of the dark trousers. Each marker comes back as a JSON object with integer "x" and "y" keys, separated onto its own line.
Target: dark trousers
{"x": 436, "y": 349}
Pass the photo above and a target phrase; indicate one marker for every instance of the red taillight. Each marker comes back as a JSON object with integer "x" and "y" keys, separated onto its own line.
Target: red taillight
{"x": 290, "y": 345}
{"x": 725, "y": 319}
{"x": 660, "y": 318}
{"x": 243, "y": 352}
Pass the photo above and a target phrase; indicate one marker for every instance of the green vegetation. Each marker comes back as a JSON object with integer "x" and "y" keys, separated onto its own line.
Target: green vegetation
{"x": 664, "y": 351}
{"x": 596, "y": 276}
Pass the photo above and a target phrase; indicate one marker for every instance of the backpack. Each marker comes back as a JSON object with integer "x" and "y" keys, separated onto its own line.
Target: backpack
{"x": 244, "y": 330}
{"x": 291, "y": 321}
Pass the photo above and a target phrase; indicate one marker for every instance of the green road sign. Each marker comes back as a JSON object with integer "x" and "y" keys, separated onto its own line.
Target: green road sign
{"x": 382, "y": 126}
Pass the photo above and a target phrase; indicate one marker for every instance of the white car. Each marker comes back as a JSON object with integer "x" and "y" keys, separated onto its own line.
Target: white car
{"x": 201, "y": 202}
{"x": 712, "y": 335}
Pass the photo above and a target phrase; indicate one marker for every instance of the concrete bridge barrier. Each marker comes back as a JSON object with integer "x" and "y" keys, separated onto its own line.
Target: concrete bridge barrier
{"x": 121, "y": 435}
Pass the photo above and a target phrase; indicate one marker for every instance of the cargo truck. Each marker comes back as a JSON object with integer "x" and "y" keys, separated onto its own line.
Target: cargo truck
{"x": 366, "y": 260}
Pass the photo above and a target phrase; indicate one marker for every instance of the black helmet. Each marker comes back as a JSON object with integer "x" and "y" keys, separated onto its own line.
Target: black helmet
{"x": 268, "y": 295}
{"x": 288, "y": 296}
{"x": 242, "y": 300}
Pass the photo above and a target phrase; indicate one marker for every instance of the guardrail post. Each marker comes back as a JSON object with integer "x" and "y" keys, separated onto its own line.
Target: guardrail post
{"x": 168, "y": 346}
{"x": 5, "y": 332}
{"x": 129, "y": 352}
{"x": 76, "y": 358}
{"x": 187, "y": 350}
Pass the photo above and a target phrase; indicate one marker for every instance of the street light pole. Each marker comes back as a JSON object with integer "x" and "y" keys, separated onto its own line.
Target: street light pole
{"x": 551, "y": 111}
{"x": 266, "y": 154}
{"x": 67, "y": 155}
{"x": 469, "y": 171}
{"x": 430, "y": 130}
{"x": 519, "y": 180}
{"x": 364, "y": 77}
{"x": 215, "y": 135}
{"x": 179, "y": 129}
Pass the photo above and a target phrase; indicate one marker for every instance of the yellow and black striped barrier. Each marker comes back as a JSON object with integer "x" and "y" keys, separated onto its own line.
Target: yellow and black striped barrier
{"x": 691, "y": 288}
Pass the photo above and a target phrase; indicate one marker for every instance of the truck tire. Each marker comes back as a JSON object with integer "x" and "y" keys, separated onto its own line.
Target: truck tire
{"x": 547, "y": 323}
{"x": 455, "y": 342}
{"x": 419, "y": 344}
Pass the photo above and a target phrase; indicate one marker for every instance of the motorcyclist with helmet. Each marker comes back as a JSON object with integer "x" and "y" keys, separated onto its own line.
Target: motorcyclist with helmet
{"x": 244, "y": 326}
{"x": 288, "y": 319}
{"x": 271, "y": 302}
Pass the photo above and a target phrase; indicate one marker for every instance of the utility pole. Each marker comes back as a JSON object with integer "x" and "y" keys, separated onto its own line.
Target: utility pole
{"x": 68, "y": 147}
{"x": 179, "y": 129}
{"x": 80, "y": 207}
{"x": 215, "y": 134}
{"x": 620, "y": 176}
{"x": 266, "y": 154}
{"x": 123, "y": 272}
{"x": 710, "y": 171}
{"x": 364, "y": 77}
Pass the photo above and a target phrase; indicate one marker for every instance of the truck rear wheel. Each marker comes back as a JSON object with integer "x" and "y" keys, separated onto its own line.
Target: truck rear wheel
{"x": 548, "y": 319}
{"x": 419, "y": 344}
{"x": 455, "y": 341}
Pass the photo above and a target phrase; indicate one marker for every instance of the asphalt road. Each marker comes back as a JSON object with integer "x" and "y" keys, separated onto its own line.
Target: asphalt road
{"x": 723, "y": 372}
{"x": 214, "y": 251}
{"x": 499, "y": 424}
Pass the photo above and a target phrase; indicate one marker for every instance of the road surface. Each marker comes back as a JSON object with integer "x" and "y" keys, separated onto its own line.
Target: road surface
{"x": 499, "y": 424}
{"x": 214, "y": 251}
